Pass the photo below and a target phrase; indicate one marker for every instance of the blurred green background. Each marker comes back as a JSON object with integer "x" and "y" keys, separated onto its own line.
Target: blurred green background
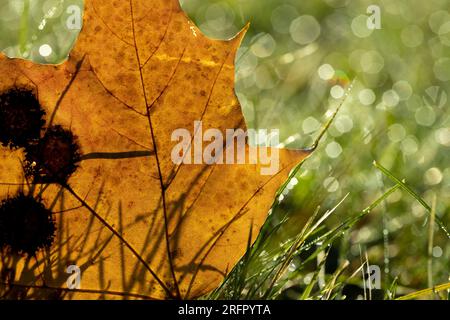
{"x": 297, "y": 63}
{"x": 40, "y": 30}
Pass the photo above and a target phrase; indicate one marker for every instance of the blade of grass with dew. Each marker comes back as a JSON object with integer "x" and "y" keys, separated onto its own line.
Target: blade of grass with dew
{"x": 331, "y": 285}
{"x": 307, "y": 231}
{"x": 242, "y": 270}
{"x": 331, "y": 236}
{"x": 290, "y": 253}
{"x": 369, "y": 283}
{"x": 245, "y": 263}
{"x": 306, "y": 294}
{"x": 292, "y": 249}
{"x": 280, "y": 280}
{"x": 430, "y": 243}
{"x": 403, "y": 185}
{"x": 327, "y": 238}
{"x": 319, "y": 138}
{"x": 391, "y": 292}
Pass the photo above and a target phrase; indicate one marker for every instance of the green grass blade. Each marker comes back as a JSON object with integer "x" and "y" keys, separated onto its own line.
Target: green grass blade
{"x": 389, "y": 174}
{"x": 414, "y": 295}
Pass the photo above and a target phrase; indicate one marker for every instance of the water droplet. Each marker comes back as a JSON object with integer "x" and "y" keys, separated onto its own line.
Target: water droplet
{"x": 326, "y": 72}
{"x": 337, "y": 92}
{"x": 305, "y": 29}
{"x": 45, "y": 50}
{"x": 333, "y": 150}
{"x": 433, "y": 176}
{"x": 367, "y": 97}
